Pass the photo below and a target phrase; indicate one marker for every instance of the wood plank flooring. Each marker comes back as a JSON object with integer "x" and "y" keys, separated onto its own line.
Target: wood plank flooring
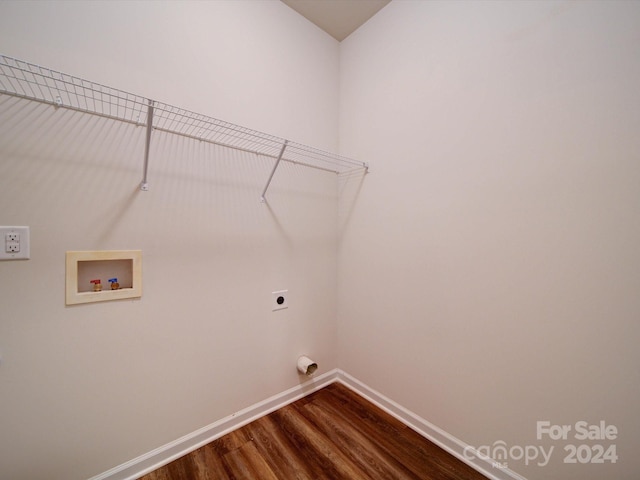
{"x": 332, "y": 434}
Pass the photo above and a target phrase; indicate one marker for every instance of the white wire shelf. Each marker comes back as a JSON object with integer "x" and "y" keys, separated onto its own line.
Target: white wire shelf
{"x": 33, "y": 82}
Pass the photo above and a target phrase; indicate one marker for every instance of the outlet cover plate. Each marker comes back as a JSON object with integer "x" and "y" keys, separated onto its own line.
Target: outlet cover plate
{"x": 280, "y": 300}
{"x": 14, "y": 243}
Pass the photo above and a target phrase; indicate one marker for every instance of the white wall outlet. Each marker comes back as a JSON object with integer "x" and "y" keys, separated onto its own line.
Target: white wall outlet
{"x": 14, "y": 243}
{"x": 280, "y": 300}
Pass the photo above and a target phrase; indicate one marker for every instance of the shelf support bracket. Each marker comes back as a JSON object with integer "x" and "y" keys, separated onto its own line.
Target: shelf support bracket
{"x": 275, "y": 166}
{"x": 144, "y": 186}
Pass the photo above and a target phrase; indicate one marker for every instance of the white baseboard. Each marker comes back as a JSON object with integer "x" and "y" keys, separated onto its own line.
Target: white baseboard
{"x": 444, "y": 440}
{"x": 165, "y": 454}
{"x": 171, "y": 451}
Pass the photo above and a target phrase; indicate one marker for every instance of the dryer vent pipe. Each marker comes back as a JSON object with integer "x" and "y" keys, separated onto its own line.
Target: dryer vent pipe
{"x": 306, "y": 365}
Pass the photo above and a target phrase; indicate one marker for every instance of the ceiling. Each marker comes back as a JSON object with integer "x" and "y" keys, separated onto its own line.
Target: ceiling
{"x": 339, "y": 18}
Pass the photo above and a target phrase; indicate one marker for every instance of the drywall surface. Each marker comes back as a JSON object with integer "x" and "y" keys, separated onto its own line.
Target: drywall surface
{"x": 249, "y": 62}
{"x": 87, "y": 387}
{"x": 489, "y": 267}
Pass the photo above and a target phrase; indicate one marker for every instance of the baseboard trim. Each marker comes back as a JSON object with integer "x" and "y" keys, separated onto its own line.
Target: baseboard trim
{"x": 444, "y": 440}
{"x": 165, "y": 454}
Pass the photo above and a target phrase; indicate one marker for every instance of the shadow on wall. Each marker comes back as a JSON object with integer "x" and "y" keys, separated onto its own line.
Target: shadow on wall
{"x": 349, "y": 186}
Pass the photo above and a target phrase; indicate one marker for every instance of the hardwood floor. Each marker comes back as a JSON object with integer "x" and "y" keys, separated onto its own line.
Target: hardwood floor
{"x": 332, "y": 434}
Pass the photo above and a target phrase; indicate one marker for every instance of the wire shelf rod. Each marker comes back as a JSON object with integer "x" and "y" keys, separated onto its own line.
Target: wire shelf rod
{"x": 267, "y": 155}
{"x": 75, "y": 109}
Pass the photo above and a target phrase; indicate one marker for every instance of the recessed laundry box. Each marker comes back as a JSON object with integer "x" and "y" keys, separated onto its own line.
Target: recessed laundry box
{"x": 101, "y": 275}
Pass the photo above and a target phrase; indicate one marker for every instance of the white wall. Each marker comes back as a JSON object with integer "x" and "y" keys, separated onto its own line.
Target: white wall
{"x": 86, "y": 388}
{"x": 489, "y": 268}
{"x": 252, "y": 63}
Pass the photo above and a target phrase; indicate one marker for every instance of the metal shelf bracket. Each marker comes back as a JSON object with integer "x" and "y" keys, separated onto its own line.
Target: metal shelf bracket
{"x": 275, "y": 166}
{"x": 144, "y": 185}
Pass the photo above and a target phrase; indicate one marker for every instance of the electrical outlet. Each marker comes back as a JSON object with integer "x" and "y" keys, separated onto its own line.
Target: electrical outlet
{"x": 280, "y": 300}
{"x": 16, "y": 243}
